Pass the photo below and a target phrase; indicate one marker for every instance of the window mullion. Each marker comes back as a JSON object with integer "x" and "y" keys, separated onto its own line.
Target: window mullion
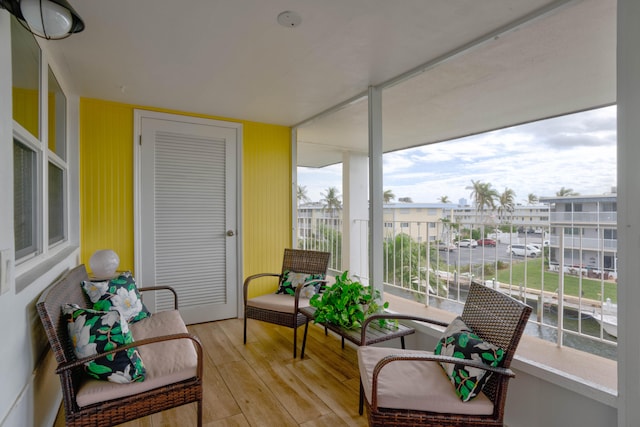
{"x": 43, "y": 164}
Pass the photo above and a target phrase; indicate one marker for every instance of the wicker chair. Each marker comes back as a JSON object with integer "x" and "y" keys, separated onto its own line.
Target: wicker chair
{"x": 163, "y": 389}
{"x": 415, "y": 389}
{"x": 282, "y": 309}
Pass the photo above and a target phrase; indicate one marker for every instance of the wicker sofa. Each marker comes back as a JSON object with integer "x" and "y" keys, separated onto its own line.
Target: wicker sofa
{"x": 172, "y": 357}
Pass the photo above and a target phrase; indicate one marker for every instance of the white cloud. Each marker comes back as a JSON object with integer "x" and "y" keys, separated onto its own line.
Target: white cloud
{"x": 576, "y": 151}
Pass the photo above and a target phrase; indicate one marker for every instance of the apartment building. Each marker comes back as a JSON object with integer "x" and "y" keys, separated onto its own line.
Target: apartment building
{"x": 523, "y": 217}
{"x": 586, "y": 227}
{"x": 421, "y": 221}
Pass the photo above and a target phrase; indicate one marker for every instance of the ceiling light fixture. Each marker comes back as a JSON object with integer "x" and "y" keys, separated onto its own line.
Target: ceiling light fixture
{"x": 49, "y": 19}
{"x": 289, "y": 19}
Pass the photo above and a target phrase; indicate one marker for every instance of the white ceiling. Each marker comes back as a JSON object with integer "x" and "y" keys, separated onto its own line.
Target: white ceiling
{"x": 231, "y": 58}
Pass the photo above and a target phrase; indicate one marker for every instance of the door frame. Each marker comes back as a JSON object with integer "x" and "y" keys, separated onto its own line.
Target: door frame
{"x": 138, "y": 115}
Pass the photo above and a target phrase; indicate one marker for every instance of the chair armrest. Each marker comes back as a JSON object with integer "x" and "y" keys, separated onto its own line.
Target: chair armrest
{"x": 396, "y": 316}
{"x": 429, "y": 358}
{"x": 198, "y": 346}
{"x": 158, "y": 288}
{"x": 247, "y": 282}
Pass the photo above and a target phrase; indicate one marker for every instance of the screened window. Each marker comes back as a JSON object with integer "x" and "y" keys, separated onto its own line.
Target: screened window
{"x": 25, "y": 192}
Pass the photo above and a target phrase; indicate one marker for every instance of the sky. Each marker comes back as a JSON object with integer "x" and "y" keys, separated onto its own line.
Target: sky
{"x": 576, "y": 151}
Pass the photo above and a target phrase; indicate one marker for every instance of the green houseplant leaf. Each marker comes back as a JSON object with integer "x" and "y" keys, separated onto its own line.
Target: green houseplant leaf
{"x": 347, "y": 303}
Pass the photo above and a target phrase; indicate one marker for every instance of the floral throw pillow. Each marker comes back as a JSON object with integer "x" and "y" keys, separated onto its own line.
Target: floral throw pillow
{"x": 460, "y": 341}
{"x": 291, "y": 280}
{"x": 92, "y": 332}
{"x": 119, "y": 294}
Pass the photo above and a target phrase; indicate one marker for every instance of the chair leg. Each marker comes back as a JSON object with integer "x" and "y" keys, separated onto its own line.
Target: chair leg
{"x": 295, "y": 339}
{"x": 304, "y": 339}
{"x": 245, "y": 328}
{"x": 199, "y": 413}
{"x": 361, "y": 401}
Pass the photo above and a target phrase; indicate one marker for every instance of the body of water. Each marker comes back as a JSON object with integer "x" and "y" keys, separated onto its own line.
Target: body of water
{"x": 546, "y": 328}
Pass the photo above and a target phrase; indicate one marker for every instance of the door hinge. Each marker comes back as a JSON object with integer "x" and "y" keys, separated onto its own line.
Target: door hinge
{"x": 140, "y": 139}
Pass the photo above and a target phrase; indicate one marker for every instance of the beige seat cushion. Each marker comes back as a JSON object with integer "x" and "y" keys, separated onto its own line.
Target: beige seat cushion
{"x": 417, "y": 385}
{"x": 166, "y": 362}
{"x": 282, "y": 303}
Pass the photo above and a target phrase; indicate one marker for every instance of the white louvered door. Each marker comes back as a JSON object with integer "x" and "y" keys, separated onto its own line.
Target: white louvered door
{"x": 188, "y": 224}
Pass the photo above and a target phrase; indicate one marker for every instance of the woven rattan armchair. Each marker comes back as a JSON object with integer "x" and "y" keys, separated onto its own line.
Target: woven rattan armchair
{"x": 173, "y": 359}
{"x": 282, "y": 309}
{"x": 410, "y": 388}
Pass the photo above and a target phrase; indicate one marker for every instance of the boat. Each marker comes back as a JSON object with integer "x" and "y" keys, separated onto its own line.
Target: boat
{"x": 608, "y": 317}
{"x": 609, "y": 323}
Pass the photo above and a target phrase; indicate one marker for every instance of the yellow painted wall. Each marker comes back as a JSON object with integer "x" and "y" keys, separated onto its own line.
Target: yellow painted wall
{"x": 106, "y": 186}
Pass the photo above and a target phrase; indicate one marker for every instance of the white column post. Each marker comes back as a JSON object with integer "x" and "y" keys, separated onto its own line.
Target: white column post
{"x": 355, "y": 210}
{"x": 376, "y": 208}
{"x": 628, "y": 70}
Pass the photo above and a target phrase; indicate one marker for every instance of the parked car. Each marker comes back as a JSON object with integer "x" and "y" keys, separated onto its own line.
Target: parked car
{"x": 540, "y": 245}
{"x": 446, "y": 246}
{"x": 523, "y": 250}
{"x": 486, "y": 242}
{"x": 467, "y": 243}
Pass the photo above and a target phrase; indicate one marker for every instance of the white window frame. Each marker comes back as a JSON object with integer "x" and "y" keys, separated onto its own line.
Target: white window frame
{"x": 44, "y": 156}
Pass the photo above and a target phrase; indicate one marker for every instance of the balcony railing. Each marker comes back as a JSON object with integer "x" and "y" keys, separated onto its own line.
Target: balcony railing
{"x": 603, "y": 218}
{"x": 586, "y": 243}
{"x": 571, "y": 284}
{"x": 322, "y": 234}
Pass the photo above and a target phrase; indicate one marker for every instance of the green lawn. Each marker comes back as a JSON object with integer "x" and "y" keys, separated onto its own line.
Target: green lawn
{"x": 591, "y": 288}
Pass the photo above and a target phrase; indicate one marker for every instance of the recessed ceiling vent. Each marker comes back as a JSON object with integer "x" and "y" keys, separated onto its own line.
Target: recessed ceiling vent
{"x": 289, "y": 19}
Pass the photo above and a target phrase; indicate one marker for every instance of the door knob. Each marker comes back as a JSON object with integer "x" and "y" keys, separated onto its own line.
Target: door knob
{"x": 230, "y": 233}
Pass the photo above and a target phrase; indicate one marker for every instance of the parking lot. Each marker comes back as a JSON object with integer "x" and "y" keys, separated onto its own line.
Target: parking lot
{"x": 480, "y": 254}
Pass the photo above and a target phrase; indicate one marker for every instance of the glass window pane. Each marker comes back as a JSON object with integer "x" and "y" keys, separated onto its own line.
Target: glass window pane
{"x": 24, "y": 199}
{"x": 56, "y": 204}
{"x": 25, "y": 62}
{"x": 57, "y": 106}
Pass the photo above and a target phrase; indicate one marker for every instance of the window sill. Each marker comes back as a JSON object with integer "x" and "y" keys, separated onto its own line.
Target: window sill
{"x": 592, "y": 376}
{"x": 35, "y": 271}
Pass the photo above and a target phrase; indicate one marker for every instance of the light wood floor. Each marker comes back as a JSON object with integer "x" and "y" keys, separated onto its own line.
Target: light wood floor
{"x": 260, "y": 384}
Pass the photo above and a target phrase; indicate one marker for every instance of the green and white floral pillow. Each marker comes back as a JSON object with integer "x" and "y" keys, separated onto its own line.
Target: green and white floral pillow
{"x": 291, "y": 280}
{"x": 119, "y": 294}
{"x": 459, "y": 341}
{"x": 93, "y": 332}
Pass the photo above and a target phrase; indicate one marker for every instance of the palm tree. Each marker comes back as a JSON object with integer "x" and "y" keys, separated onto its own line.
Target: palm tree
{"x": 484, "y": 195}
{"x": 444, "y": 199}
{"x": 388, "y": 196}
{"x": 302, "y": 194}
{"x": 405, "y": 200}
{"x": 331, "y": 199}
{"x": 565, "y": 192}
{"x": 532, "y": 199}
{"x": 507, "y": 201}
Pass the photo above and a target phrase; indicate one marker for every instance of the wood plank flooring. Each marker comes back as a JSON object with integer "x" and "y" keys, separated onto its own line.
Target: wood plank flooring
{"x": 260, "y": 384}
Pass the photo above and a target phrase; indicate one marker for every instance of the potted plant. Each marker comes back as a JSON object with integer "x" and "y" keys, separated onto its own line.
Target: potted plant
{"x": 347, "y": 303}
